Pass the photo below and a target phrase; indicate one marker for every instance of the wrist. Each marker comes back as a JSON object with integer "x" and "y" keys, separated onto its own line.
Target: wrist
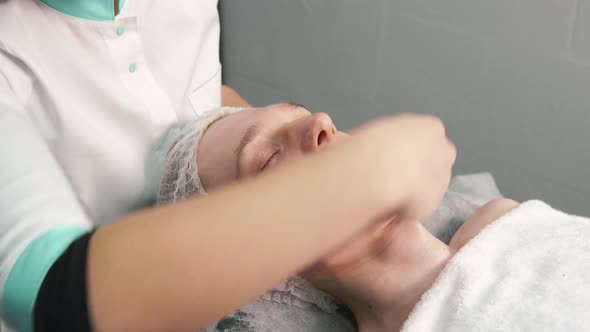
{"x": 230, "y": 97}
{"x": 380, "y": 172}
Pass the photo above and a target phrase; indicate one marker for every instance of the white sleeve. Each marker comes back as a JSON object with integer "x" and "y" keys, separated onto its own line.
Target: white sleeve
{"x": 40, "y": 214}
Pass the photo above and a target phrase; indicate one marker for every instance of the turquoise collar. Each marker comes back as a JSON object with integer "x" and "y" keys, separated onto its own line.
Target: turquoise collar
{"x": 94, "y": 10}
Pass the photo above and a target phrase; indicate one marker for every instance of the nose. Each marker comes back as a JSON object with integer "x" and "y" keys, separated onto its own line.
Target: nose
{"x": 313, "y": 131}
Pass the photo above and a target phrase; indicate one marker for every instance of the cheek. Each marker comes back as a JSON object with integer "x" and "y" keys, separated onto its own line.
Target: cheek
{"x": 214, "y": 168}
{"x": 290, "y": 152}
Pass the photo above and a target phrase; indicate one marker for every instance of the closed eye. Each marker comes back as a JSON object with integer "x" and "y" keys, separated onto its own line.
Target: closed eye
{"x": 270, "y": 161}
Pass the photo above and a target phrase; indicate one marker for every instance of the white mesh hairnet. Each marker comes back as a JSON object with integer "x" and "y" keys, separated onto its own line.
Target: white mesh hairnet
{"x": 180, "y": 176}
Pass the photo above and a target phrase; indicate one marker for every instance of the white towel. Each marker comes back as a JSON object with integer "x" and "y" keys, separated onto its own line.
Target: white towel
{"x": 528, "y": 271}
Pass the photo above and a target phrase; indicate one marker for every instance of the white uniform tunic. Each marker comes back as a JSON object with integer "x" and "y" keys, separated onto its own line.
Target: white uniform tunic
{"x": 83, "y": 96}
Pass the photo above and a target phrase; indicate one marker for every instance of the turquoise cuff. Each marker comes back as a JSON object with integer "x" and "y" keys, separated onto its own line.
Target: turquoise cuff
{"x": 27, "y": 274}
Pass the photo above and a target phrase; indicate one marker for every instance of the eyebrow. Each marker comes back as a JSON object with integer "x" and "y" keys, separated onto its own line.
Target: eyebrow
{"x": 297, "y": 105}
{"x": 248, "y": 137}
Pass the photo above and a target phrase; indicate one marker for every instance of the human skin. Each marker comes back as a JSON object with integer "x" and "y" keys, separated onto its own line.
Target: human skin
{"x": 147, "y": 275}
{"x": 381, "y": 272}
{"x": 230, "y": 97}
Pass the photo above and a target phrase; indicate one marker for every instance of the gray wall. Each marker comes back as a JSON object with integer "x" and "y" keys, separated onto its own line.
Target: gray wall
{"x": 510, "y": 78}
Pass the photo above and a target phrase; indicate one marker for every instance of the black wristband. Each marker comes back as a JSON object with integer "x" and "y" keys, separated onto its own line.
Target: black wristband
{"x": 61, "y": 302}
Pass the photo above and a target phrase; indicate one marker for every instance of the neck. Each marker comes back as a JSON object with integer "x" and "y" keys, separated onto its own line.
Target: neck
{"x": 383, "y": 291}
